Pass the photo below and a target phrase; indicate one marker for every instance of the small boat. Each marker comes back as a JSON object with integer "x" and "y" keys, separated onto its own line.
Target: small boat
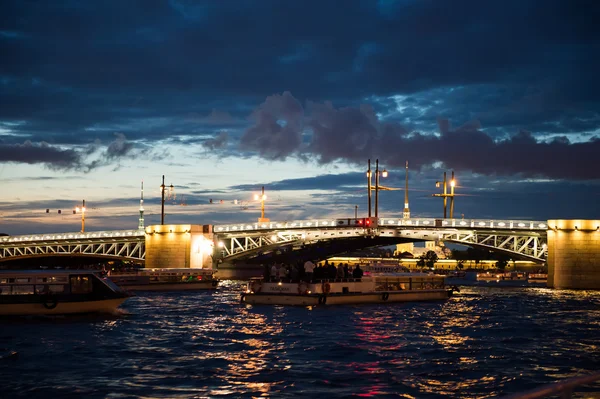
{"x": 508, "y": 276}
{"x": 538, "y": 278}
{"x": 380, "y": 288}
{"x": 57, "y": 292}
{"x": 456, "y": 274}
{"x": 165, "y": 279}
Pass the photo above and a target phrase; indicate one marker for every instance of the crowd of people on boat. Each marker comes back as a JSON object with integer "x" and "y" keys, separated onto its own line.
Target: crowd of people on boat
{"x": 311, "y": 272}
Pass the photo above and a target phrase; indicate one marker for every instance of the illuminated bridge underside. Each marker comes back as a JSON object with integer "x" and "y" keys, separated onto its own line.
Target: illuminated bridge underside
{"x": 525, "y": 239}
{"x": 128, "y": 244}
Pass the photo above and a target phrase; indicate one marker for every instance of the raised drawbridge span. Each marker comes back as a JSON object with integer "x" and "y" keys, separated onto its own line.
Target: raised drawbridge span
{"x": 525, "y": 239}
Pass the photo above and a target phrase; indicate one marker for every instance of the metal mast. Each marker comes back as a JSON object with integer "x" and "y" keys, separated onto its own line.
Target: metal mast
{"x": 406, "y": 213}
{"x": 141, "y": 223}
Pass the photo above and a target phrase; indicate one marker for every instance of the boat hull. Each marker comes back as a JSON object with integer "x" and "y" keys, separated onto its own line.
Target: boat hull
{"x": 345, "y": 299}
{"x": 204, "y": 285}
{"x": 62, "y": 308}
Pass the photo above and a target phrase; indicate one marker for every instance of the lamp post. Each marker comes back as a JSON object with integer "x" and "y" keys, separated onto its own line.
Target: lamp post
{"x": 384, "y": 173}
{"x": 370, "y": 188}
{"x": 369, "y": 185}
{"x": 445, "y": 194}
{"x": 262, "y": 199}
{"x": 82, "y": 211}
{"x": 162, "y": 198}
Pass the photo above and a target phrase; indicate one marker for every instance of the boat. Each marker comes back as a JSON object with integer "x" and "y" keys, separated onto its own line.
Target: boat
{"x": 165, "y": 279}
{"x": 57, "y": 292}
{"x": 508, "y": 276}
{"x": 380, "y": 288}
{"x": 456, "y": 274}
{"x": 537, "y": 278}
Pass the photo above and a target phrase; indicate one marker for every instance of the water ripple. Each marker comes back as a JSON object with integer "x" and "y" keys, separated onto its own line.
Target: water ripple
{"x": 207, "y": 344}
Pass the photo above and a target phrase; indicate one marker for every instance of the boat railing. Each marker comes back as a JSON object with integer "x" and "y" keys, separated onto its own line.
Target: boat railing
{"x": 563, "y": 388}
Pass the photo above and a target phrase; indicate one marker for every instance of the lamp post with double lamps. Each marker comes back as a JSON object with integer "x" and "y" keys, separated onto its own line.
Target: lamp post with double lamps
{"x": 170, "y": 194}
{"x": 370, "y": 188}
{"x": 445, "y": 195}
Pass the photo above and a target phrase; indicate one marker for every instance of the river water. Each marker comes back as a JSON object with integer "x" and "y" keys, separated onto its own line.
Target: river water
{"x": 486, "y": 342}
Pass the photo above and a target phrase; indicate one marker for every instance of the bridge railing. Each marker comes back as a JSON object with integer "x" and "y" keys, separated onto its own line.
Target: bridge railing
{"x": 75, "y": 236}
{"x": 420, "y": 223}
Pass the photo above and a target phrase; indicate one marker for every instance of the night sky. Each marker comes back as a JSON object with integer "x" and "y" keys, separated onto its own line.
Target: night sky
{"x": 224, "y": 97}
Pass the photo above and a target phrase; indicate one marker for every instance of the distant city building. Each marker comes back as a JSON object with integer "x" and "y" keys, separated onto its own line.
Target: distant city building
{"x": 435, "y": 246}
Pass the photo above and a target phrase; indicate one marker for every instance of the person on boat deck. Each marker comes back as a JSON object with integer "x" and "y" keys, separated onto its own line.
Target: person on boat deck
{"x": 309, "y": 268}
{"x": 346, "y": 271}
{"x": 331, "y": 271}
{"x": 340, "y": 271}
{"x": 357, "y": 272}
{"x": 283, "y": 272}
{"x": 274, "y": 272}
{"x": 318, "y": 275}
{"x": 293, "y": 273}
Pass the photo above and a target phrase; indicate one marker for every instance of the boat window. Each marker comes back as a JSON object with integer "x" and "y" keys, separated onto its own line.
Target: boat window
{"x": 22, "y": 289}
{"x": 49, "y": 289}
{"x": 3, "y": 280}
{"x": 4, "y": 289}
{"x": 59, "y": 279}
{"x": 81, "y": 284}
{"x": 22, "y": 280}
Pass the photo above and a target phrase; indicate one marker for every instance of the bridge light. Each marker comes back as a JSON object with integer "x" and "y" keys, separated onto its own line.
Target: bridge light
{"x": 220, "y": 244}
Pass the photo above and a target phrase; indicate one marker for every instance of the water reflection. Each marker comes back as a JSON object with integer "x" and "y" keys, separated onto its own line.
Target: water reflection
{"x": 187, "y": 345}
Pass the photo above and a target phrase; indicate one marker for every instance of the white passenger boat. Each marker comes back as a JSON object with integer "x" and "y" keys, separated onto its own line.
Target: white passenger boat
{"x": 380, "y": 288}
{"x": 57, "y": 292}
{"x": 165, "y": 279}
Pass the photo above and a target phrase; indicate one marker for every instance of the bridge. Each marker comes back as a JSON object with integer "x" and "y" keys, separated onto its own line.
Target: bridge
{"x": 518, "y": 238}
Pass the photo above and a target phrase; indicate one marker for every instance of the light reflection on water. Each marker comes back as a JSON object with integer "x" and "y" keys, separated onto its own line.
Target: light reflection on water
{"x": 207, "y": 344}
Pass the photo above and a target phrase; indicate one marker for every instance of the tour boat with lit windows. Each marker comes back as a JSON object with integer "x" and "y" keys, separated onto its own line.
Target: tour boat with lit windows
{"x": 508, "y": 276}
{"x": 165, "y": 279}
{"x": 376, "y": 288}
{"x": 57, "y": 292}
{"x": 537, "y": 278}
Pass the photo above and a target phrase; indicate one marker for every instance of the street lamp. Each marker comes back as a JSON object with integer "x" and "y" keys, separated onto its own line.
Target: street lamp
{"x": 82, "y": 211}
{"x": 262, "y": 197}
{"x": 170, "y": 194}
{"x": 445, "y": 194}
{"x": 383, "y": 173}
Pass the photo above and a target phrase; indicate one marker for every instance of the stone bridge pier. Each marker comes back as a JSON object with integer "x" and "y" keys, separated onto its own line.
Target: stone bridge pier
{"x": 574, "y": 254}
{"x": 179, "y": 246}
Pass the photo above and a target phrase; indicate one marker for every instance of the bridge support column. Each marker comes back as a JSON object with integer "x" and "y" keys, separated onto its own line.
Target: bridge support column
{"x": 574, "y": 254}
{"x": 179, "y": 246}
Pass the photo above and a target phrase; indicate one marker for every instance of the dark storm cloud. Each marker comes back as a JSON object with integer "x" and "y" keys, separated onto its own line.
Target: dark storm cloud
{"x": 73, "y": 72}
{"x": 86, "y": 158}
{"x": 355, "y": 134}
{"x": 277, "y": 131}
{"x": 42, "y": 153}
{"x": 218, "y": 142}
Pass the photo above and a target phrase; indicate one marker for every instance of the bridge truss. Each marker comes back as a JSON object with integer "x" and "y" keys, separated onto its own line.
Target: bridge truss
{"x": 127, "y": 244}
{"x": 524, "y": 239}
